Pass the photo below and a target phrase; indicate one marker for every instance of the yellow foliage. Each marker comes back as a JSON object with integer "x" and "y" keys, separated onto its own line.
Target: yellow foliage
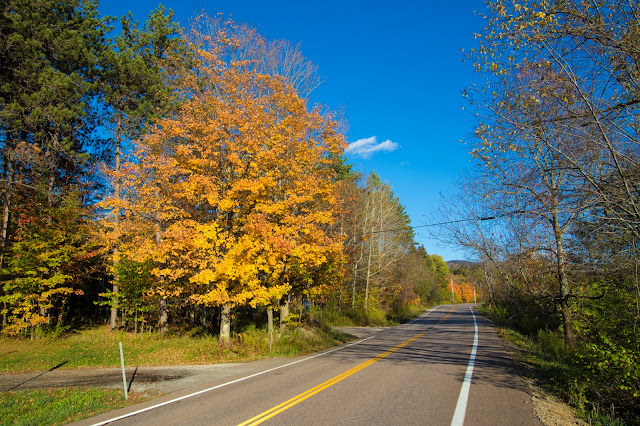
{"x": 229, "y": 196}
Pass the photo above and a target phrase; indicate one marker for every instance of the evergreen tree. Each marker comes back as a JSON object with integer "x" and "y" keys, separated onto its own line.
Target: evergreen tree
{"x": 49, "y": 58}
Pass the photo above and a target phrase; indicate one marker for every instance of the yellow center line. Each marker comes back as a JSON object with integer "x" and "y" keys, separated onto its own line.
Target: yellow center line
{"x": 322, "y": 386}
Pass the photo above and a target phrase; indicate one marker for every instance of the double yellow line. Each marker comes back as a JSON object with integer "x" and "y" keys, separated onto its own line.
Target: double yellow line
{"x": 322, "y": 386}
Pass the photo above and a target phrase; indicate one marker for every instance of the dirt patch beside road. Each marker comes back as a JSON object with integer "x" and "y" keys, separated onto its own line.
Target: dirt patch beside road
{"x": 161, "y": 379}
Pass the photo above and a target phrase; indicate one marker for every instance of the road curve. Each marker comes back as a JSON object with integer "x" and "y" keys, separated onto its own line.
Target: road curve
{"x": 410, "y": 374}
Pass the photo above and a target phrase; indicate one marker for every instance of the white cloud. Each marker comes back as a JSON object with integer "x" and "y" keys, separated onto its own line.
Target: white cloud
{"x": 368, "y": 146}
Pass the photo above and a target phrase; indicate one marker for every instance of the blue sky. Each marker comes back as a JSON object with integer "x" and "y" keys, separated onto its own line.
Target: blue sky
{"x": 395, "y": 69}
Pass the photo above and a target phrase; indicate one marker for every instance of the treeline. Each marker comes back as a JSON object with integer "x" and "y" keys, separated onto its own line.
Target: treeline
{"x": 179, "y": 178}
{"x": 551, "y": 210}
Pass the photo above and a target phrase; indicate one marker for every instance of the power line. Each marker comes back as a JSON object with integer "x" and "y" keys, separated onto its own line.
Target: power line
{"x": 497, "y": 216}
{"x": 436, "y": 224}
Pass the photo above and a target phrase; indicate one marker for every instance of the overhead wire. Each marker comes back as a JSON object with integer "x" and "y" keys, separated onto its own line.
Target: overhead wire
{"x": 483, "y": 218}
{"x": 436, "y": 224}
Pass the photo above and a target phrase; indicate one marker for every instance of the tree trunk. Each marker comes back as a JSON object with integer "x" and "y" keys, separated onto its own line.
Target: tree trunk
{"x": 284, "y": 313}
{"x": 353, "y": 285}
{"x": 365, "y": 224}
{"x": 225, "y": 324}
{"x": 270, "y": 325}
{"x": 567, "y": 324}
{"x": 113, "y": 324}
{"x": 116, "y": 225}
{"x": 366, "y": 288}
{"x": 567, "y": 318}
{"x": 6, "y": 216}
{"x": 163, "y": 316}
{"x": 489, "y": 280}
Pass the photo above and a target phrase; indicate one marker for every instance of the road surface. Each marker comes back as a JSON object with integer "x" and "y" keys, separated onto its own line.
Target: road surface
{"x": 448, "y": 367}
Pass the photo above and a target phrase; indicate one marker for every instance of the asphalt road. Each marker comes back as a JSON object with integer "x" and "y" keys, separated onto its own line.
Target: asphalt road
{"x": 413, "y": 374}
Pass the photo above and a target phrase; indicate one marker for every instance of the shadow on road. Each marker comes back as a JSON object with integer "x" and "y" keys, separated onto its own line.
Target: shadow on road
{"x": 446, "y": 343}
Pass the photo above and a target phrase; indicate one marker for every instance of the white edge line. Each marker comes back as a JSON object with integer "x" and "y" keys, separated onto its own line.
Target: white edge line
{"x": 124, "y": 416}
{"x": 424, "y": 315}
{"x": 224, "y": 384}
{"x": 461, "y": 406}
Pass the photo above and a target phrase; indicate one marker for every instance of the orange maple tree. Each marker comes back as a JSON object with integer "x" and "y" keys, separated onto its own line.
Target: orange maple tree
{"x": 230, "y": 196}
{"x": 463, "y": 292}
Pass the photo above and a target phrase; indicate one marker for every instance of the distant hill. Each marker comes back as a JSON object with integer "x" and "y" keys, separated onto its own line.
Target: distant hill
{"x": 458, "y": 263}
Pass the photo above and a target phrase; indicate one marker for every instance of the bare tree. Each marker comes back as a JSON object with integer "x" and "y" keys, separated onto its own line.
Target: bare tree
{"x": 272, "y": 57}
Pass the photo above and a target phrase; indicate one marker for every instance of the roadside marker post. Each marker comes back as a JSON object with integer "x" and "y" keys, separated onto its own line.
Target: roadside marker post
{"x": 124, "y": 376}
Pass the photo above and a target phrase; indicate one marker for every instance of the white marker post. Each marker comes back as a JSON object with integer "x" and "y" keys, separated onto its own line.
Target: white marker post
{"x": 124, "y": 376}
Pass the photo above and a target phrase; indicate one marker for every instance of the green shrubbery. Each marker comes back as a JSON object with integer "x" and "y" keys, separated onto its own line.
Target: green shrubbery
{"x": 600, "y": 376}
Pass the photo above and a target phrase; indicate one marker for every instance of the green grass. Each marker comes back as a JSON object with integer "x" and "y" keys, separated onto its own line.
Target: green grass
{"x": 63, "y": 405}
{"x": 98, "y": 347}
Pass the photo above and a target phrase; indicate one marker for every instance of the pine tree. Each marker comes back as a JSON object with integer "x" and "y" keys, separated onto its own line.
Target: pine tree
{"x": 49, "y": 57}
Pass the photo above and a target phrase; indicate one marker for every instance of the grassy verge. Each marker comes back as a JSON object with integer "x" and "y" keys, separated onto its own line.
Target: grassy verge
{"x": 545, "y": 360}
{"x": 372, "y": 318}
{"x": 60, "y": 406}
{"x": 98, "y": 347}
{"x": 406, "y": 314}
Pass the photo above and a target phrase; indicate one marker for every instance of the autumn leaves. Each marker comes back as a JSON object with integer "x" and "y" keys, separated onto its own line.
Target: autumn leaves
{"x": 227, "y": 200}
